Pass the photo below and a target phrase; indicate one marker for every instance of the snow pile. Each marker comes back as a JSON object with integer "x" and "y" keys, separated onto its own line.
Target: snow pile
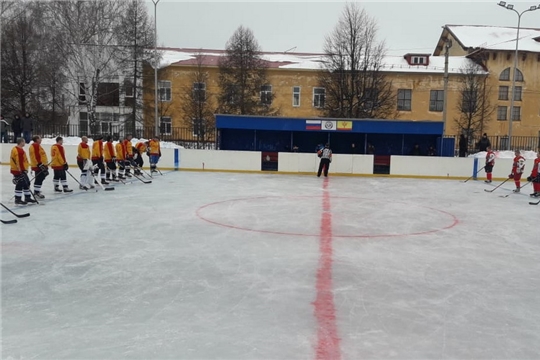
{"x": 505, "y": 154}
{"x": 75, "y": 140}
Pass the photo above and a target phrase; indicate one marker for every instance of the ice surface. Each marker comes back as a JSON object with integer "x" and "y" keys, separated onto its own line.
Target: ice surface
{"x": 224, "y": 265}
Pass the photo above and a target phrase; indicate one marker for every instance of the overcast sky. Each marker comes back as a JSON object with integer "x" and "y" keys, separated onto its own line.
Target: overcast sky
{"x": 280, "y": 26}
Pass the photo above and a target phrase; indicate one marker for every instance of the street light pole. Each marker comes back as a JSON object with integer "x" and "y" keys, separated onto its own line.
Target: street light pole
{"x": 156, "y": 119}
{"x": 447, "y": 46}
{"x": 514, "y": 70}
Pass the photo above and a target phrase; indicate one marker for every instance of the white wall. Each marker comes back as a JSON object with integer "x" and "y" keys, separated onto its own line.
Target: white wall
{"x": 220, "y": 160}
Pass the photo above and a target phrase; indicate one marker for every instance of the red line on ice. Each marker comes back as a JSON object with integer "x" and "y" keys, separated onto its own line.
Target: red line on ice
{"x": 325, "y": 311}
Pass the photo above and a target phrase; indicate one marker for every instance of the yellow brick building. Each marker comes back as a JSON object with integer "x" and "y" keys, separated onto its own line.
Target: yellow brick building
{"x": 416, "y": 78}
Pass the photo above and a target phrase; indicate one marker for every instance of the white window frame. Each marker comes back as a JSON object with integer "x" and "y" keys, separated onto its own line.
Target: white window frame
{"x": 266, "y": 92}
{"x": 198, "y": 88}
{"x": 131, "y": 88}
{"x": 296, "y": 93}
{"x": 162, "y": 128}
{"x": 516, "y": 116}
{"x": 318, "y": 105}
{"x": 403, "y": 101}
{"x": 419, "y": 60}
{"x": 163, "y": 94}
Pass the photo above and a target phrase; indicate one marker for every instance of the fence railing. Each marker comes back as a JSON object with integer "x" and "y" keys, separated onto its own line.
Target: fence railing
{"x": 500, "y": 143}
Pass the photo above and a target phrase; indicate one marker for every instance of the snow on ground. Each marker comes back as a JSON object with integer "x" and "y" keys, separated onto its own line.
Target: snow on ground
{"x": 262, "y": 266}
{"x": 506, "y": 154}
{"x": 75, "y": 140}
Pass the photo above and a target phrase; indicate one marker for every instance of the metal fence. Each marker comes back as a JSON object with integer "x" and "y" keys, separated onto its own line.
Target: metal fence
{"x": 500, "y": 143}
{"x": 179, "y": 135}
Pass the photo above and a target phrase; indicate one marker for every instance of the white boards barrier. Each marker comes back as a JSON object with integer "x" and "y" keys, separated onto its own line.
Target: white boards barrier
{"x": 419, "y": 166}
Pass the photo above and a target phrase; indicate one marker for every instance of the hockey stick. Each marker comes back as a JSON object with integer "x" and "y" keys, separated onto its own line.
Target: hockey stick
{"x": 498, "y": 186}
{"x": 78, "y": 182}
{"x": 142, "y": 180}
{"x": 513, "y": 192}
{"x": 8, "y": 221}
{"x": 474, "y": 174}
{"x": 534, "y": 203}
{"x": 109, "y": 188}
{"x": 17, "y": 215}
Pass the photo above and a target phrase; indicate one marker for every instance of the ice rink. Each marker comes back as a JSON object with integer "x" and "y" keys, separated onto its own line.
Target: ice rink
{"x": 264, "y": 266}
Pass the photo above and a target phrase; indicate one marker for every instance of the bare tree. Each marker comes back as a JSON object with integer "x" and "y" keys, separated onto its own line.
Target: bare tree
{"x": 355, "y": 86}
{"x": 242, "y": 77}
{"x": 90, "y": 45}
{"x": 198, "y": 104}
{"x": 135, "y": 36}
{"x": 474, "y": 107}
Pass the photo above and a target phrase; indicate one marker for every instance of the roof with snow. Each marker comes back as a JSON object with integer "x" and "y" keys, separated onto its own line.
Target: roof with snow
{"x": 306, "y": 61}
{"x": 493, "y": 37}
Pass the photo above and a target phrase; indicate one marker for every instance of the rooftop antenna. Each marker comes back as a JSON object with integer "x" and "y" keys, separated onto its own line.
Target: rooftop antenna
{"x": 286, "y": 51}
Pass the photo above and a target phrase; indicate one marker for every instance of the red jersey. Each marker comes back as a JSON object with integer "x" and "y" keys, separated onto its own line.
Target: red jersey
{"x": 490, "y": 158}
{"x": 519, "y": 165}
{"x": 536, "y": 168}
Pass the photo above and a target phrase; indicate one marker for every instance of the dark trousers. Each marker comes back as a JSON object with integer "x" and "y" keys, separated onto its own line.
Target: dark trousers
{"x": 23, "y": 183}
{"x": 40, "y": 176}
{"x": 101, "y": 167}
{"x": 325, "y": 163}
{"x": 60, "y": 175}
{"x": 139, "y": 161}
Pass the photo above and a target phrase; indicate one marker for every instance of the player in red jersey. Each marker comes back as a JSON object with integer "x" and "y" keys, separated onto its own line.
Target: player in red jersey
{"x": 535, "y": 176}
{"x": 490, "y": 163}
{"x": 517, "y": 170}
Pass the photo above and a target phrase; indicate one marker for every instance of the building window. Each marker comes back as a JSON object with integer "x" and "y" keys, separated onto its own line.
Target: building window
{"x": 516, "y": 113}
{"x": 128, "y": 88}
{"x": 164, "y": 88}
{"x": 165, "y": 125}
{"x": 232, "y": 94}
{"x": 517, "y": 93}
{"x": 505, "y": 75}
{"x": 501, "y": 112}
{"x": 319, "y": 95}
{"x": 503, "y": 92}
{"x": 199, "y": 92}
{"x": 105, "y": 128}
{"x": 108, "y": 94}
{"x": 436, "y": 100}
{"x": 266, "y": 94}
{"x": 419, "y": 60}
{"x": 296, "y": 96}
{"x": 82, "y": 94}
{"x": 404, "y": 97}
{"x": 519, "y": 76}
{"x": 469, "y": 101}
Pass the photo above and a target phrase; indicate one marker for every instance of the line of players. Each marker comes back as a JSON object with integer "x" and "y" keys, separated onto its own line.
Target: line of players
{"x": 108, "y": 161}
{"x": 518, "y": 168}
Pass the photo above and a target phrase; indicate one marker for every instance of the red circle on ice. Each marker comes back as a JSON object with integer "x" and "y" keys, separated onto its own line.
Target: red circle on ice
{"x": 352, "y": 217}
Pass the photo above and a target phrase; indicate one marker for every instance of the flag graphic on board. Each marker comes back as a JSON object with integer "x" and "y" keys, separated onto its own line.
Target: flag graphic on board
{"x": 313, "y": 124}
{"x": 329, "y": 125}
{"x": 344, "y": 125}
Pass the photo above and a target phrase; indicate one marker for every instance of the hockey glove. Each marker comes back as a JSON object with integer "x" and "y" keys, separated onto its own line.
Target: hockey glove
{"x": 113, "y": 159}
{"x": 66, "y": 166}
{"x": 511, "y": 176}
{"x": 529, "y": 178}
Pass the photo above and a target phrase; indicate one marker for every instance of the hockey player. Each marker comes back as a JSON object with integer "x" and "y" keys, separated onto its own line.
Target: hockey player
{"x": 138, "y": 150}
{"x": 490, "y": 163}
{"x": 19, "y": 169}
{"x": 128, "y": 151}
{"x": 326, "y": 158}
{"x": 38, "y": 162}
{"x": 154, "y": 153}
{"x": 97, "y": 158}
{"x": 109, "y": 156}
{"x": 535, "y": 176}
{"x": 517, "y": 170}
{"x": 59, "y": 165}
{"x": 121, "y": 158}
{"x": 83, "y": 161}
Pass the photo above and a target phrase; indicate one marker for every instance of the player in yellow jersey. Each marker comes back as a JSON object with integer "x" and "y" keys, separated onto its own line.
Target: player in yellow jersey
{"x": 38, "y": 163}
{"x": 19, "y": 168}
{"x": 85, "y": 164}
